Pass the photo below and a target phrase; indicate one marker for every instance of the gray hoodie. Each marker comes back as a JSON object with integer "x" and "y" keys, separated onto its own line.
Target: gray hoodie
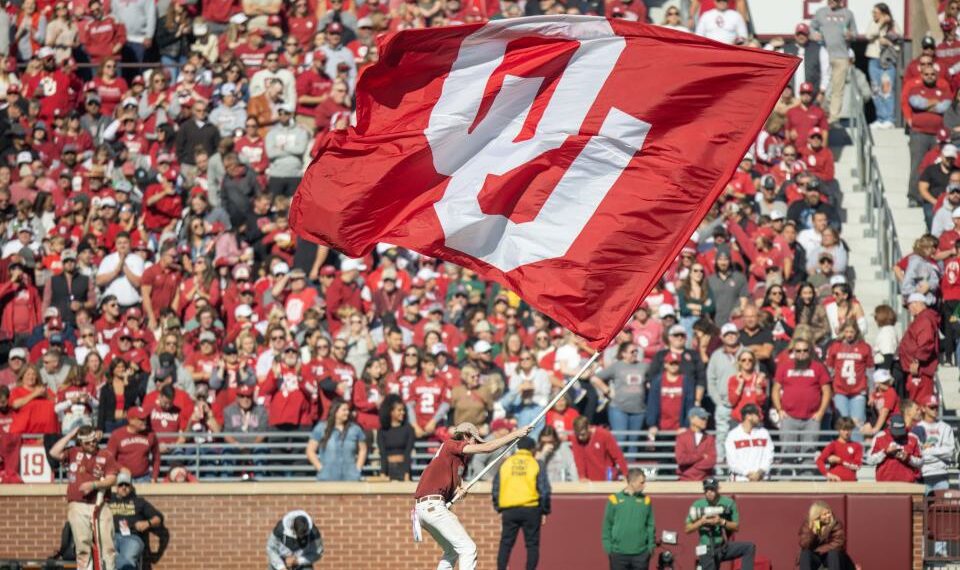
{"x": 937, "y": 448}
{"x": 138, "y": 16}
{"x": 286, "y": 145}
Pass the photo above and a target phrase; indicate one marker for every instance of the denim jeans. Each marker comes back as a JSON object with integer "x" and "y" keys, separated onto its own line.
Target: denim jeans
{"x": 621, "y": 421}
{"x": 853, "y": 407}
{"x": 883, "y": 83}
{"x": 129, "y": 549}
{"x": 173, "y": 66}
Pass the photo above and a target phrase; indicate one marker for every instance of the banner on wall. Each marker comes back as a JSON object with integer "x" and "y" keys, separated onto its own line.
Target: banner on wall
{"x": 781, "y": 17}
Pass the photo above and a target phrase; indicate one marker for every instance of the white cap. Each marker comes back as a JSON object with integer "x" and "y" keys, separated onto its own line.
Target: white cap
{"x": 949, "y": 150}
{"x": 677, "y": 329}
{"x": 45, "y": 52}
{"x": 748, "y": 156}
{"x": 882, "y": 375}
{"x": 129, "y": 102}
{"x": 956, "y": 213}
{"x": 776, "y": 215}
{"x": 438, "y": 347}
{"x": 729, "y": 328}
{"x": 243, "y": 312}
{"x": 238, "y": 18}
{"x": 481, "y": 346}
{"x": 427, "y": 274}
{"x": 838, "y": 280}
{"x": 24, "y": 157}
{"x": 280, "y": 268}
{"x": 365, "y": 22}
{"x": 917, "y": 298}
{"x": 51, "y": 313}
{"x": 286, "y": 108}
{"x": 108, "y": 202}
{"x": 666, "y": 310}
{"x": 18, "y": 352}
{"x": 352, "y": 264}
{"x": 199, "y": 29}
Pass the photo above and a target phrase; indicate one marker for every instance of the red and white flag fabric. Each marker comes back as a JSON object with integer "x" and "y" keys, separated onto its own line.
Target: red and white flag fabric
{"x": 567, "y": 157}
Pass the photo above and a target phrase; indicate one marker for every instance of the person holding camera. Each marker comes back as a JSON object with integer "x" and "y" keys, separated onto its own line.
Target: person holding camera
{"x": 629, "y": 535}
{"x": 715, "y": 518}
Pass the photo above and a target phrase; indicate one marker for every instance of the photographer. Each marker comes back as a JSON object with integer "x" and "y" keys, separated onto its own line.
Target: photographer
{"x": 716, "y": 517}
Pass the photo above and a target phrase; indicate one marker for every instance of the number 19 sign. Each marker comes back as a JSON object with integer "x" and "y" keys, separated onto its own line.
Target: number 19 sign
{"x": 34, "y": 467}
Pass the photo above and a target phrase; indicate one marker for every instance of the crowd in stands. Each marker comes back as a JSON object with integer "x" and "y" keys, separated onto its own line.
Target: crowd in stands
{"x": 150, "y": 286}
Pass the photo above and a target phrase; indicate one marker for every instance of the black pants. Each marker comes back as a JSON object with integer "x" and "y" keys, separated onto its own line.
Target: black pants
{"x": 729, "y": 551}
{"x": 512, "y": 520}
{"x": 282, "y": 186}
{"x": 630, "y": 561}
{"x": 833, "y": 560}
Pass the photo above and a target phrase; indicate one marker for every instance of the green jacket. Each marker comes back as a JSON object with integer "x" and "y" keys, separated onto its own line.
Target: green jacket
{"x": 628, "y": 526}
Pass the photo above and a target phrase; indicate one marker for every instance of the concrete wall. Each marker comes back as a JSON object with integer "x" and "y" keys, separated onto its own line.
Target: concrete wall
{"x": 367, "y": 525}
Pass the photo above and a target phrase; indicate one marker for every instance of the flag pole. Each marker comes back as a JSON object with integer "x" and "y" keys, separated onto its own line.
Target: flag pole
{"x": 536, "y": 420}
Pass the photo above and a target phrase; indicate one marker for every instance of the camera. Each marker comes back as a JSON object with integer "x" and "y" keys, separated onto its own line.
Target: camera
{"x": 665, "y": 561}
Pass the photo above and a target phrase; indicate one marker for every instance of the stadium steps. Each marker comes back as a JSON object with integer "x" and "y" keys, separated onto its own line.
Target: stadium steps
{"x": 893, "y": 157}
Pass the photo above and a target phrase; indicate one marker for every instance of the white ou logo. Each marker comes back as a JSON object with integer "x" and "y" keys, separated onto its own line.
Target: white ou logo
{"x": 469, "y": 156}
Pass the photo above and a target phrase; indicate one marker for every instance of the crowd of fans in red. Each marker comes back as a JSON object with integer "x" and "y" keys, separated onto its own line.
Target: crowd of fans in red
{"x": 150, "y": 285}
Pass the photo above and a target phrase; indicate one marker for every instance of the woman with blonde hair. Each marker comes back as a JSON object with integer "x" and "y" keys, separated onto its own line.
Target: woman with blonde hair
{"x": 823, "y": 540}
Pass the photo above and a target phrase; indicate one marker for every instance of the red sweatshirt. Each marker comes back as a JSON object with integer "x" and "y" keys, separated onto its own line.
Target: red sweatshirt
{"x": 695, "y": 462}
{"x": 889, "y": 468}
{"x": 290, "y": 402}
{"x": 99, "y": 37}
{"x": 921, "y": 343}
{"x": 599, "y": 453}
{"x": 851, "y": 458}
{"x": 134, "y": 451}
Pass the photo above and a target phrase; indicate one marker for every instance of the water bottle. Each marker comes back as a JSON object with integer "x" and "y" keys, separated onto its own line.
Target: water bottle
{"x": 609, "y": 473}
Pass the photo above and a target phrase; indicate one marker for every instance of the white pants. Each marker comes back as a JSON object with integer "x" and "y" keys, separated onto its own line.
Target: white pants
{"x": 445, "y": 528}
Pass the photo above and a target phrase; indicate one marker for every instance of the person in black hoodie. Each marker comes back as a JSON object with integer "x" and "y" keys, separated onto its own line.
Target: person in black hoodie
{"x": 295, "y": 543}
{"x": 133, "y": 517}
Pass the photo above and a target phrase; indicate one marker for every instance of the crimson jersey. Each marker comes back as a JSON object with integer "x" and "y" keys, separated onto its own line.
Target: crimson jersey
{"x": 849, "y": 363}
{"x": 442, "y": 475}
{"x": 671, "y": 403}
{"x": 83, "y": 468}
{"x": 851, "y": 458}
{"x": 427, "y": 396}
{"x": 886, "y": 399}
{"x": 399, "y": 383}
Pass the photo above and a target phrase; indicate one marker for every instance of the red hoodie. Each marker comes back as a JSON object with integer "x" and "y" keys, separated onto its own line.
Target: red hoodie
{"x": 695, "y": 462}
{"x": 597, "y": 455}
{"x": 99, "y": 37}
{"x": 22, "y": 309}
{"x": 921, "y": 343}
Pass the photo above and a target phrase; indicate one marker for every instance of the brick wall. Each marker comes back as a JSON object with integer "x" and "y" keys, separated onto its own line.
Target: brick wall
{"x": 226, "y": 526}
{"x": 230, "y": 532}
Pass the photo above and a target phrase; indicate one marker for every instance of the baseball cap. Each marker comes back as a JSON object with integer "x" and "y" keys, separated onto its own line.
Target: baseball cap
{"x": 882, "y": 375}
{"x": 838, "y": 280}
{"x": 229, "y": 88}
{"x": 286, "y": 108}
{"x": 482, "y": 346}
{"x": 468, "y": 428}
{"x": 955, "y": 213}
{"x": 352, "y": 264}
{"x": 241, "y": 272}
{"x": 931, "y": 401}
{"x": 917, "y": 298}
{"x": 137, "y": 412}
{"x": 207, "y": 336}
{"x": 729, "y": 328}
{"x": 816, "y": 132}
{"x": 230, "y": 348}
{"x": 298, "y": 274}
{"x": 243, "y": 312}
{"x": 802, "y": 28}
{"x": 671, "y": 357}
{"x": 768, "y": 182}
{"x": 67, "y": 255}
{"x": 13, "y": 88}
{"x": 806, "y": 87}
{"x": 750, "y": 409}
{"x": 711, "y": 483}
{"x": 328, "y": 270}
{"x": 245, "y": 390}
{"x": 949, "y": 151}
{"x": 334, "y": 28}
{"x": 134, "y": 313}
{"x": 45, "y": 52}
{"x": 18, "y": 352}
{"x": 280, "y": 268}
{"x": 239, "y": 18}
{"x": 677, "y": 329}
{"x": 24, "y": 157}
{"x": 55, "y": 324}
{"x": 51, "y": 313}
{"x": 698, "y": 412}
{"x": 898, "y": 427}
{"x": 666, "y": 311}
{"x": 776, "y": 215}
{"x": 928, "y": 43}
{"x": 365, "y": 22}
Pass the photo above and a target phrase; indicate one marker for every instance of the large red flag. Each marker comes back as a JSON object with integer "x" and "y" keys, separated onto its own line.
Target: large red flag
{"x": 568, "y": 158}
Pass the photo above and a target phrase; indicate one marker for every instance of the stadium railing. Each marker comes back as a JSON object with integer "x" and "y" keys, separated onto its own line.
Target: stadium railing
{"x": 282, "y": 456}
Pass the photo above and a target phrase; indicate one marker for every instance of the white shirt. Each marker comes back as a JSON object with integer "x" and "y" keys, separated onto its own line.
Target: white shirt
{"x": 725, "y": 27}
{"x": 125, "y": 292}
{"x": 541, "y": 384}
{"x": 942, "y": 220}
{"x": 748, "y": 452}
{"x": 810, "y": 239}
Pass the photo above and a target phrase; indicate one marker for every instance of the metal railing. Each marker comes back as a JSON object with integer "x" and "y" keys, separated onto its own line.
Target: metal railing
{"x": 878, "y": 217}
{"x": 282, "y": 456}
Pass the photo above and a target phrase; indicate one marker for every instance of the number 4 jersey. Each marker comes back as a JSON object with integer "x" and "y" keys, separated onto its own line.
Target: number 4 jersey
{"x": 849, "y": 363}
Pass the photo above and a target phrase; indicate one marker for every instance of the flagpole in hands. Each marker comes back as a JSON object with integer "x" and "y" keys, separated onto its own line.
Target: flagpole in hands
{"x": 464, "y": 489}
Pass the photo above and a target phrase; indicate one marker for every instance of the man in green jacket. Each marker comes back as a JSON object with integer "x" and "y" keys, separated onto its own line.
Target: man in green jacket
{"x": 628, "y": 529}
{"x": 715, "y": 518}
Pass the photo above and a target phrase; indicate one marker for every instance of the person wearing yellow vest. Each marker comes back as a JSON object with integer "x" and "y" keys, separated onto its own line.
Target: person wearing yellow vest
{"x": 628, "y": 527}
{"x": 521, "y": 494}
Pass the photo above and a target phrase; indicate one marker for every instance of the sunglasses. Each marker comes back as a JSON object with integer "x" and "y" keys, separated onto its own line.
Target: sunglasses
{"x": 801, "y": 350}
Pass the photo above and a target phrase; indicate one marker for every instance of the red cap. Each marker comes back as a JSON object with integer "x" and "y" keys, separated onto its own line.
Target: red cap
{"x": 125, "y": 333}
{"x": 417, "y": 282}
{"x": 328, "y": 270}
{"x": 273, "y": 20}
{"x": 291, "y": 345}
{"x": 815, "y": 132}
{"x": 245, "y": 390}
{"x": 948, "y": 25}
{"x": 931, "y": 401}
{"x": 334, "y": 27}
{"x": 197, "y": 191}
{"x": 13, "y": 88}
{"x": 246, "y": 288}
{"x": 671, "y": 357}
{"x": 943, "y": 136}
{"x": 137, "y": 413}
{"x": 802, "y": 28}
{"x": 55, "y": 324}
{"x": 138, "y": 80}
{"x": 134, "y": 313}
{"x": 806, "y": 87}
